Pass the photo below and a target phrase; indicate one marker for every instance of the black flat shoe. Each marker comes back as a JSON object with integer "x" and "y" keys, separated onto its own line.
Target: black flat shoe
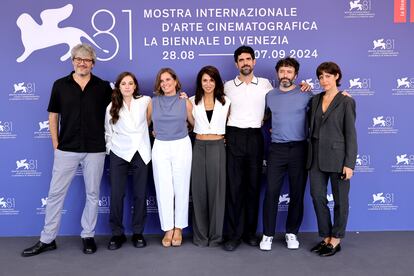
{"x": 38, "y": 248}
{"x": 116, "y": 242}
{"x": 89, "y": 245}
{"x": 231, "y": 245}
{"x": 330, "y": 250}
{"x": 317, "y": 248}
{"x": 138, "y": 241}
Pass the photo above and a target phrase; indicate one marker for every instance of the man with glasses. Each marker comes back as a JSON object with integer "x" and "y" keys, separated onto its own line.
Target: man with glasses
{"x": 79, "y": 100}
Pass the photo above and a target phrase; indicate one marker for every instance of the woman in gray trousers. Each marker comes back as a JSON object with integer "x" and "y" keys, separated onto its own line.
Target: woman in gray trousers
{"x": 208, "y": 172}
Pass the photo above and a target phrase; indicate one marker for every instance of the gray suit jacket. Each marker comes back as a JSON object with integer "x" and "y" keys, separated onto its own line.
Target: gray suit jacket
{"x": 337, "y": 135}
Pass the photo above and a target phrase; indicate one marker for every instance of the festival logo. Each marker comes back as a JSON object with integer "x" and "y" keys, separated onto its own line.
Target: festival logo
{"x": 53, "y": 31}
{"x": 26, "y": 168}
{"x": 359, "y": 9}
{"x": 404, "y": 86}
{"x": 283, "y": 203}
{"x": 152, "y": 205}
{"x": 23, "y": 91}
{"x": 8, "y": 206}
{"x": 403, "y": 163}
{"x": 314, "y": 84}
{"x": 42, "y": 130}
{"x": 331, "y": 202}
{"x": 40, "y": 36}
{"x": 383, "y": 125}
{"x": 363, "y": 164}
{"x": 383, "y": 47}
{"x": 382, "y": 202}
{"x": 104, "y": 204}
{"x": 6, "y": 130}
{"x": 360, "y": 87}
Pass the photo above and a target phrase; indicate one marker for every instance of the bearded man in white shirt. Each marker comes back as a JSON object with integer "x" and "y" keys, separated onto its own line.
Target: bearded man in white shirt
{"x": 244, "y": 143}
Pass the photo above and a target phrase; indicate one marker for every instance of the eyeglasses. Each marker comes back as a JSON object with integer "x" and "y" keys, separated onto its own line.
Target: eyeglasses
{"x": 80, "y": 60}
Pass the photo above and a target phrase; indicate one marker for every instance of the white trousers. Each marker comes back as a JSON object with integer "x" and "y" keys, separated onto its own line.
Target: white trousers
{"x": 171, "y": 163}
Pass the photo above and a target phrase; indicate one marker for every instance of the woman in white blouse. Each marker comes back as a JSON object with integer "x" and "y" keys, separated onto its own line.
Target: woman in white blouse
{"x": 128, "y": 144}
{"x": 208, "y": 172}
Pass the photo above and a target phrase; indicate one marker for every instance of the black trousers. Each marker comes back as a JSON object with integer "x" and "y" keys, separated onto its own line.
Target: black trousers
{"x": 244, "y": 168}
{"x": 340, "y": 191}
{"x": 208, "y": 189}
{"x": 285, "y": 158}
{"x": 118, "y": 170}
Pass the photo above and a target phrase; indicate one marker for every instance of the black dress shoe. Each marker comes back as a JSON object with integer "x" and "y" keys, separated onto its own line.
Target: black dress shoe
{"x": 231, "y": 245}
{"x": 252, "y": 240}
{"x": 317, "y": 248}
{"x": 116, "y": 242}
{"x": 138, "y": 240}
{"x": 38, "y": 248}
{"x": 89, "y": 245}
{"x": 330, "y": 250}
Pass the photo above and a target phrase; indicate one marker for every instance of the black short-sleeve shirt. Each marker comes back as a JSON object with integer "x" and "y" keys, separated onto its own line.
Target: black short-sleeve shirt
{"x": 81, "y": 113}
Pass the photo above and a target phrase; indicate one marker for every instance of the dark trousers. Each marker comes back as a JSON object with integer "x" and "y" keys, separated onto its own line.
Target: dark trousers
{"x": 244, "y": 168}
{"x": 119, "y": 169}
{"x": 285, "y": 158}
{"x": 340, "y": 191}
{"x": 208, "y": 189}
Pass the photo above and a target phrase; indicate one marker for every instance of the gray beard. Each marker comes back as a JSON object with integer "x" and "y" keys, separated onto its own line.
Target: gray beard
{"x": 285, "y": 83}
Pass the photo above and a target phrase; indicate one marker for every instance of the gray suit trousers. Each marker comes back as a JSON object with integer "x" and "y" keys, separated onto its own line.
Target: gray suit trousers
{"x": 65, "y": 165}
{"x": 208, "y": 186}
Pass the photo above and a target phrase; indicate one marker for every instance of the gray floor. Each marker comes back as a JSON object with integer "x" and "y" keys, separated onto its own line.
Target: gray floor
{"x": 365, "y": 253}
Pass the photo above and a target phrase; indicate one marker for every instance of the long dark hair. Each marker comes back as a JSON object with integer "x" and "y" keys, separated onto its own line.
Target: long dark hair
{"x": 117, "y": 99}
{"x": 218, "y": 89}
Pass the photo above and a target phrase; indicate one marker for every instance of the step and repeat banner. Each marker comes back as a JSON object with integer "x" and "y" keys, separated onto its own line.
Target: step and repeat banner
{"x": 371, "y": 40}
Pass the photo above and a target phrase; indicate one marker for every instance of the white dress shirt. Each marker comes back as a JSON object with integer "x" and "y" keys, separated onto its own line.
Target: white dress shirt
{"x": 130, "y": 133}
{"x": 247, "y": 101}
{"x": 217, "y": 125}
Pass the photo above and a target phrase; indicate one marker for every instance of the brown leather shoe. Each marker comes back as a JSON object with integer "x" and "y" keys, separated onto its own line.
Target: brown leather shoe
{"x": 166, "y": 241}
{"x": 178, "y": 237}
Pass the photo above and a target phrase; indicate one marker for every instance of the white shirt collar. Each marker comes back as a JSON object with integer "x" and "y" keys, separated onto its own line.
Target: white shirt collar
{"x": 238, "y": 82}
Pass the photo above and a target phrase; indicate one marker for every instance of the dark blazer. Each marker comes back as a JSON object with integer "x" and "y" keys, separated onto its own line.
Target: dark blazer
{"x": 337, "y": 136}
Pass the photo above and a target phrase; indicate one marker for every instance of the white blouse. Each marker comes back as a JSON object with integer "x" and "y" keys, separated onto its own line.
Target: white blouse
{"x": 130, "y": 133}
{"x": 217, "y": 125}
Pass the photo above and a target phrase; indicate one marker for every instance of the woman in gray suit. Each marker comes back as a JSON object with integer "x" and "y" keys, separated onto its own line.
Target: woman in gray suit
{"x": 332, "y": 154}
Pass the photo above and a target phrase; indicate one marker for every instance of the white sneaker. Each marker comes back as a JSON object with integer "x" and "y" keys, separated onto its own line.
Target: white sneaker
{"x": 292, "y": 241}
{"x": 266, "y": 243}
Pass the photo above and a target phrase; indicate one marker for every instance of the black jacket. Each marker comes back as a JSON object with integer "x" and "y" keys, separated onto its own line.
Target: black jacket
{"x": 337, "y": 135}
